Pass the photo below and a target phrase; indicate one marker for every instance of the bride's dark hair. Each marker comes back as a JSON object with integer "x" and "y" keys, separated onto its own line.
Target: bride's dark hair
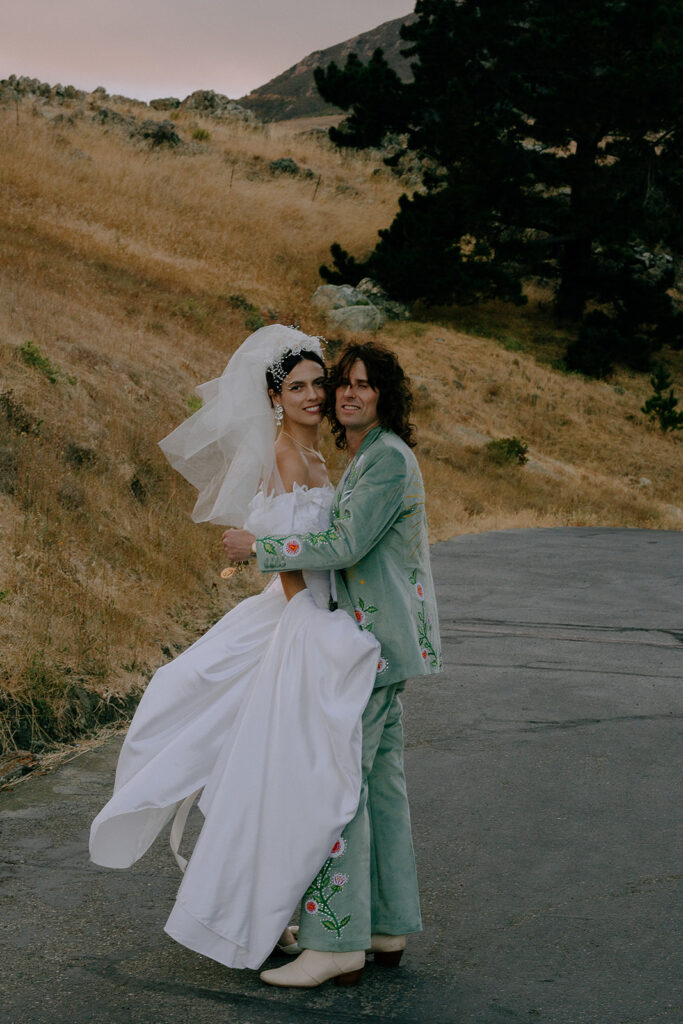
{"x": 276, "y": 374}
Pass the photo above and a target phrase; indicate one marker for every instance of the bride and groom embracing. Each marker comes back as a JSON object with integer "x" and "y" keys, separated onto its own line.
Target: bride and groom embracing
{"x": 285, "y": 717}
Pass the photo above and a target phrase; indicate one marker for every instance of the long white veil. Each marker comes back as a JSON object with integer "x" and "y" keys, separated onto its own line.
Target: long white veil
{"x": 227, "y": 448}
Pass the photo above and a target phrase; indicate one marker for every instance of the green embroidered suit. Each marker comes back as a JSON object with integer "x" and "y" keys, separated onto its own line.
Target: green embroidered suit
{"x": 377, "y": 543}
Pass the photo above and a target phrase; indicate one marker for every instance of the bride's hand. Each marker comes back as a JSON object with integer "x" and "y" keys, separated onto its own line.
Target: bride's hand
{"x": 237, "y": 544}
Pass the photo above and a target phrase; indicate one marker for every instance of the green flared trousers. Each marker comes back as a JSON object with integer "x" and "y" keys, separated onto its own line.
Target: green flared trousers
{"x": 368, "y": 884}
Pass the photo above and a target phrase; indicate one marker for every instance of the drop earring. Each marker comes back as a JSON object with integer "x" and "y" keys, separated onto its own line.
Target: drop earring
{"x": 278, "y": 413}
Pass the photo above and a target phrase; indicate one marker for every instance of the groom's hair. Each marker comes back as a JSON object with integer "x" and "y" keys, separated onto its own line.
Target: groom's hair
{"x": 386, "y": 376}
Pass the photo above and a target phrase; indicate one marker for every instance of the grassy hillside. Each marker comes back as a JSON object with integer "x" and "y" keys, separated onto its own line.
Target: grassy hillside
{"x": 127, "y": 276}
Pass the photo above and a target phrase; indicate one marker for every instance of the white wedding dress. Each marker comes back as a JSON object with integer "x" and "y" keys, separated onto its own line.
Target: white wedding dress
{"x": 263, "y": 715}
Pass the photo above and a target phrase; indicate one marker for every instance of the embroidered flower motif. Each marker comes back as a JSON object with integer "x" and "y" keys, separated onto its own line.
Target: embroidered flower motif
{"x": 338, "y": 848}
{"x": 382, "y": 665}
{"x": 419, "y": 591}
{"x": 291, "y": 547}
{"x": 425, "y": 653}
{"x": 361, "y": 611}
{"x": 323, "y": 890}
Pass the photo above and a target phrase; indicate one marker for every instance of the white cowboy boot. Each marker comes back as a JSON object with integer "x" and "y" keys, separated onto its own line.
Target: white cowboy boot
{"x": 388, "y": 949}
{"x": 313, "y": 967}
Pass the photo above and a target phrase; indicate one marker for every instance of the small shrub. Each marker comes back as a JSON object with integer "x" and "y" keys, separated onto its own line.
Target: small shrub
{"x": 660, "y": 407}
{"x": 508, "y": 449}
{"x": 201, "y": 135}
{"x": 194, "y": 403}
{"x": 254, "y": 321}
{"x": 17, "y": 417}
{"x": 32, "y": 356}
{"x": 238, "y": 301}
{"x": 159, "y": 133}
{"x": 80, "y": 456}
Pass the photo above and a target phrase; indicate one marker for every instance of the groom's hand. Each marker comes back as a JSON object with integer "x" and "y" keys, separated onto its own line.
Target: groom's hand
{"x": 237, "y": 544}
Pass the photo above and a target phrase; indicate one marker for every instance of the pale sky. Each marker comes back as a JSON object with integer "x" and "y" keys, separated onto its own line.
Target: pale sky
{"x": 150, "y": 48}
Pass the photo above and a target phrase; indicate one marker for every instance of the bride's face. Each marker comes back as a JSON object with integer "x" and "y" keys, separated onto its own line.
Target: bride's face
{"x": 303, "y": 394}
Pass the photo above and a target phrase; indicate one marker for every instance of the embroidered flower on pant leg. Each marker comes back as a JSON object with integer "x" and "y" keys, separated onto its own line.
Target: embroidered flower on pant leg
{"x": 324, "y": 888}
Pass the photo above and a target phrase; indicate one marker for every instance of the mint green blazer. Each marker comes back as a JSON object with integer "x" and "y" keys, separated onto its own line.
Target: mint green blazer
{"x": 378, "y": 546}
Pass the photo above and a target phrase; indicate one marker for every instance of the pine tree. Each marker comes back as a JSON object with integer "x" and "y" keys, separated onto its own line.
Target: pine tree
{"x": 660, "y": 406}
{"x": 551, "y": 144}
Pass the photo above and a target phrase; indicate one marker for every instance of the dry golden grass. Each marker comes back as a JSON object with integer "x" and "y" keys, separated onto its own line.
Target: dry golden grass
{"x": 136, "y": 274}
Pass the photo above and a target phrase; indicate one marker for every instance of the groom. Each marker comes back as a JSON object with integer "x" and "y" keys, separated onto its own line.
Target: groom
{"x": 366, "y": 897}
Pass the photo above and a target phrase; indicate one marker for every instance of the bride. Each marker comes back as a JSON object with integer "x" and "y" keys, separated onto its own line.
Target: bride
{"x": 261, "y": 717}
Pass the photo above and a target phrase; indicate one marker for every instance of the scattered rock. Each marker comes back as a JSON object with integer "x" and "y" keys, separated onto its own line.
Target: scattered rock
{"x": 378, "y": 297}
{"x": 346, "y": 306}
{"x": 215, "y": 104}
{"x": 674, "y": 510}
{"x": 357, "y": 318}
{"x": 112, "y": 118}
{"x": 645, "y": 482}
{"x": 165, "y": 103}
{"x": 338, "y": 296}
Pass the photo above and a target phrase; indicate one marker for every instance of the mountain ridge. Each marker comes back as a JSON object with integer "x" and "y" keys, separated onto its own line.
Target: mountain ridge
{"x": 293, "y": 93}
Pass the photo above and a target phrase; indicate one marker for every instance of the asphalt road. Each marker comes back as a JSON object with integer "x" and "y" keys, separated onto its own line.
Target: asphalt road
{"x": 543, "y": 772}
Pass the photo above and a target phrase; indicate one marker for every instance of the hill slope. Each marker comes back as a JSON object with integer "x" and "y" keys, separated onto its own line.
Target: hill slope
{"x": 293, "y": 94}
{"x": 127, "y": 276}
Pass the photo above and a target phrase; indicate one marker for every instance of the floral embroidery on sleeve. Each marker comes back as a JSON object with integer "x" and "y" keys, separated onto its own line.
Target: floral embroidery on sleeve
{"x": 361, "y": 611}
{"x": 424, "y": 634}
{"x": 324, "y": 888}
{"x": 424, "y": 626}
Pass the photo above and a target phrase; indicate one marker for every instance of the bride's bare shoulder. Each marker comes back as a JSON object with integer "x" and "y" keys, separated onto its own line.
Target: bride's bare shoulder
{"x": 293, "y": 469}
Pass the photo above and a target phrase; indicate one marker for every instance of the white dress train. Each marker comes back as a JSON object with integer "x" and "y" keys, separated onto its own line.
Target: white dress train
{"x": 263, "y": 716}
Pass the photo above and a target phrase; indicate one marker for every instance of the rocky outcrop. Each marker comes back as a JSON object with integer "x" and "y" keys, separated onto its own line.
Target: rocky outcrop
{"x": 345, "y": 306}
{"x": 215, "y": 104}
{"x": 165, "y": 103}
{"x": 374, "y": 292}
{"x": 156, "y": 133}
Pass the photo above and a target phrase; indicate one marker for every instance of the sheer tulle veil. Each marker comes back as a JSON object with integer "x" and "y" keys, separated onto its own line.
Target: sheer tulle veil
{"x": 226, "y": 449}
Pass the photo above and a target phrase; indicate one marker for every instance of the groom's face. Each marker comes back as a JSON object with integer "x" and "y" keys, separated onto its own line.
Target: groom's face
{"x": 356, "y": 401}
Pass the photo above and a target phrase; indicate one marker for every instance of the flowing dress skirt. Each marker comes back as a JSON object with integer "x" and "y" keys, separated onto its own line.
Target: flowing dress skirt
{"x": 263, "y": 716}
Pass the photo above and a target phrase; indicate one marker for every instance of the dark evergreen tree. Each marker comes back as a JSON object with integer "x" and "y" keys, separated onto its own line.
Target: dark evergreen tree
{"x": 660, "y": 406}
{"x": 551, "y": 142}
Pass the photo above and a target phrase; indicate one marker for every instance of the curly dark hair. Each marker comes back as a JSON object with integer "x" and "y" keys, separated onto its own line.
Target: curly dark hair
{"x": 385, "y": 376}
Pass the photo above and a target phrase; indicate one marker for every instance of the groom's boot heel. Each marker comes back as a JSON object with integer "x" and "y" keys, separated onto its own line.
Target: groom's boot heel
{"x": 390, "y": 958}
{"x": 348, "y": 979}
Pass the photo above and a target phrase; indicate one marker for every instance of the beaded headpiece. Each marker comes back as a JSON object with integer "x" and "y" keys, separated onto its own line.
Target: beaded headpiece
{"x": 309, "y": 343}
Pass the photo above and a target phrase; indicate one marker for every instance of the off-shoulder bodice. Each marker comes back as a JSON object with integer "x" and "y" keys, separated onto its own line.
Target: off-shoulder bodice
{"x": 302, "y": 510}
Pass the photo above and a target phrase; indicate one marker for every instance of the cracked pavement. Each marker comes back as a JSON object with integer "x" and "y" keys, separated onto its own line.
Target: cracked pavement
{"x": 543, "y": 771}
